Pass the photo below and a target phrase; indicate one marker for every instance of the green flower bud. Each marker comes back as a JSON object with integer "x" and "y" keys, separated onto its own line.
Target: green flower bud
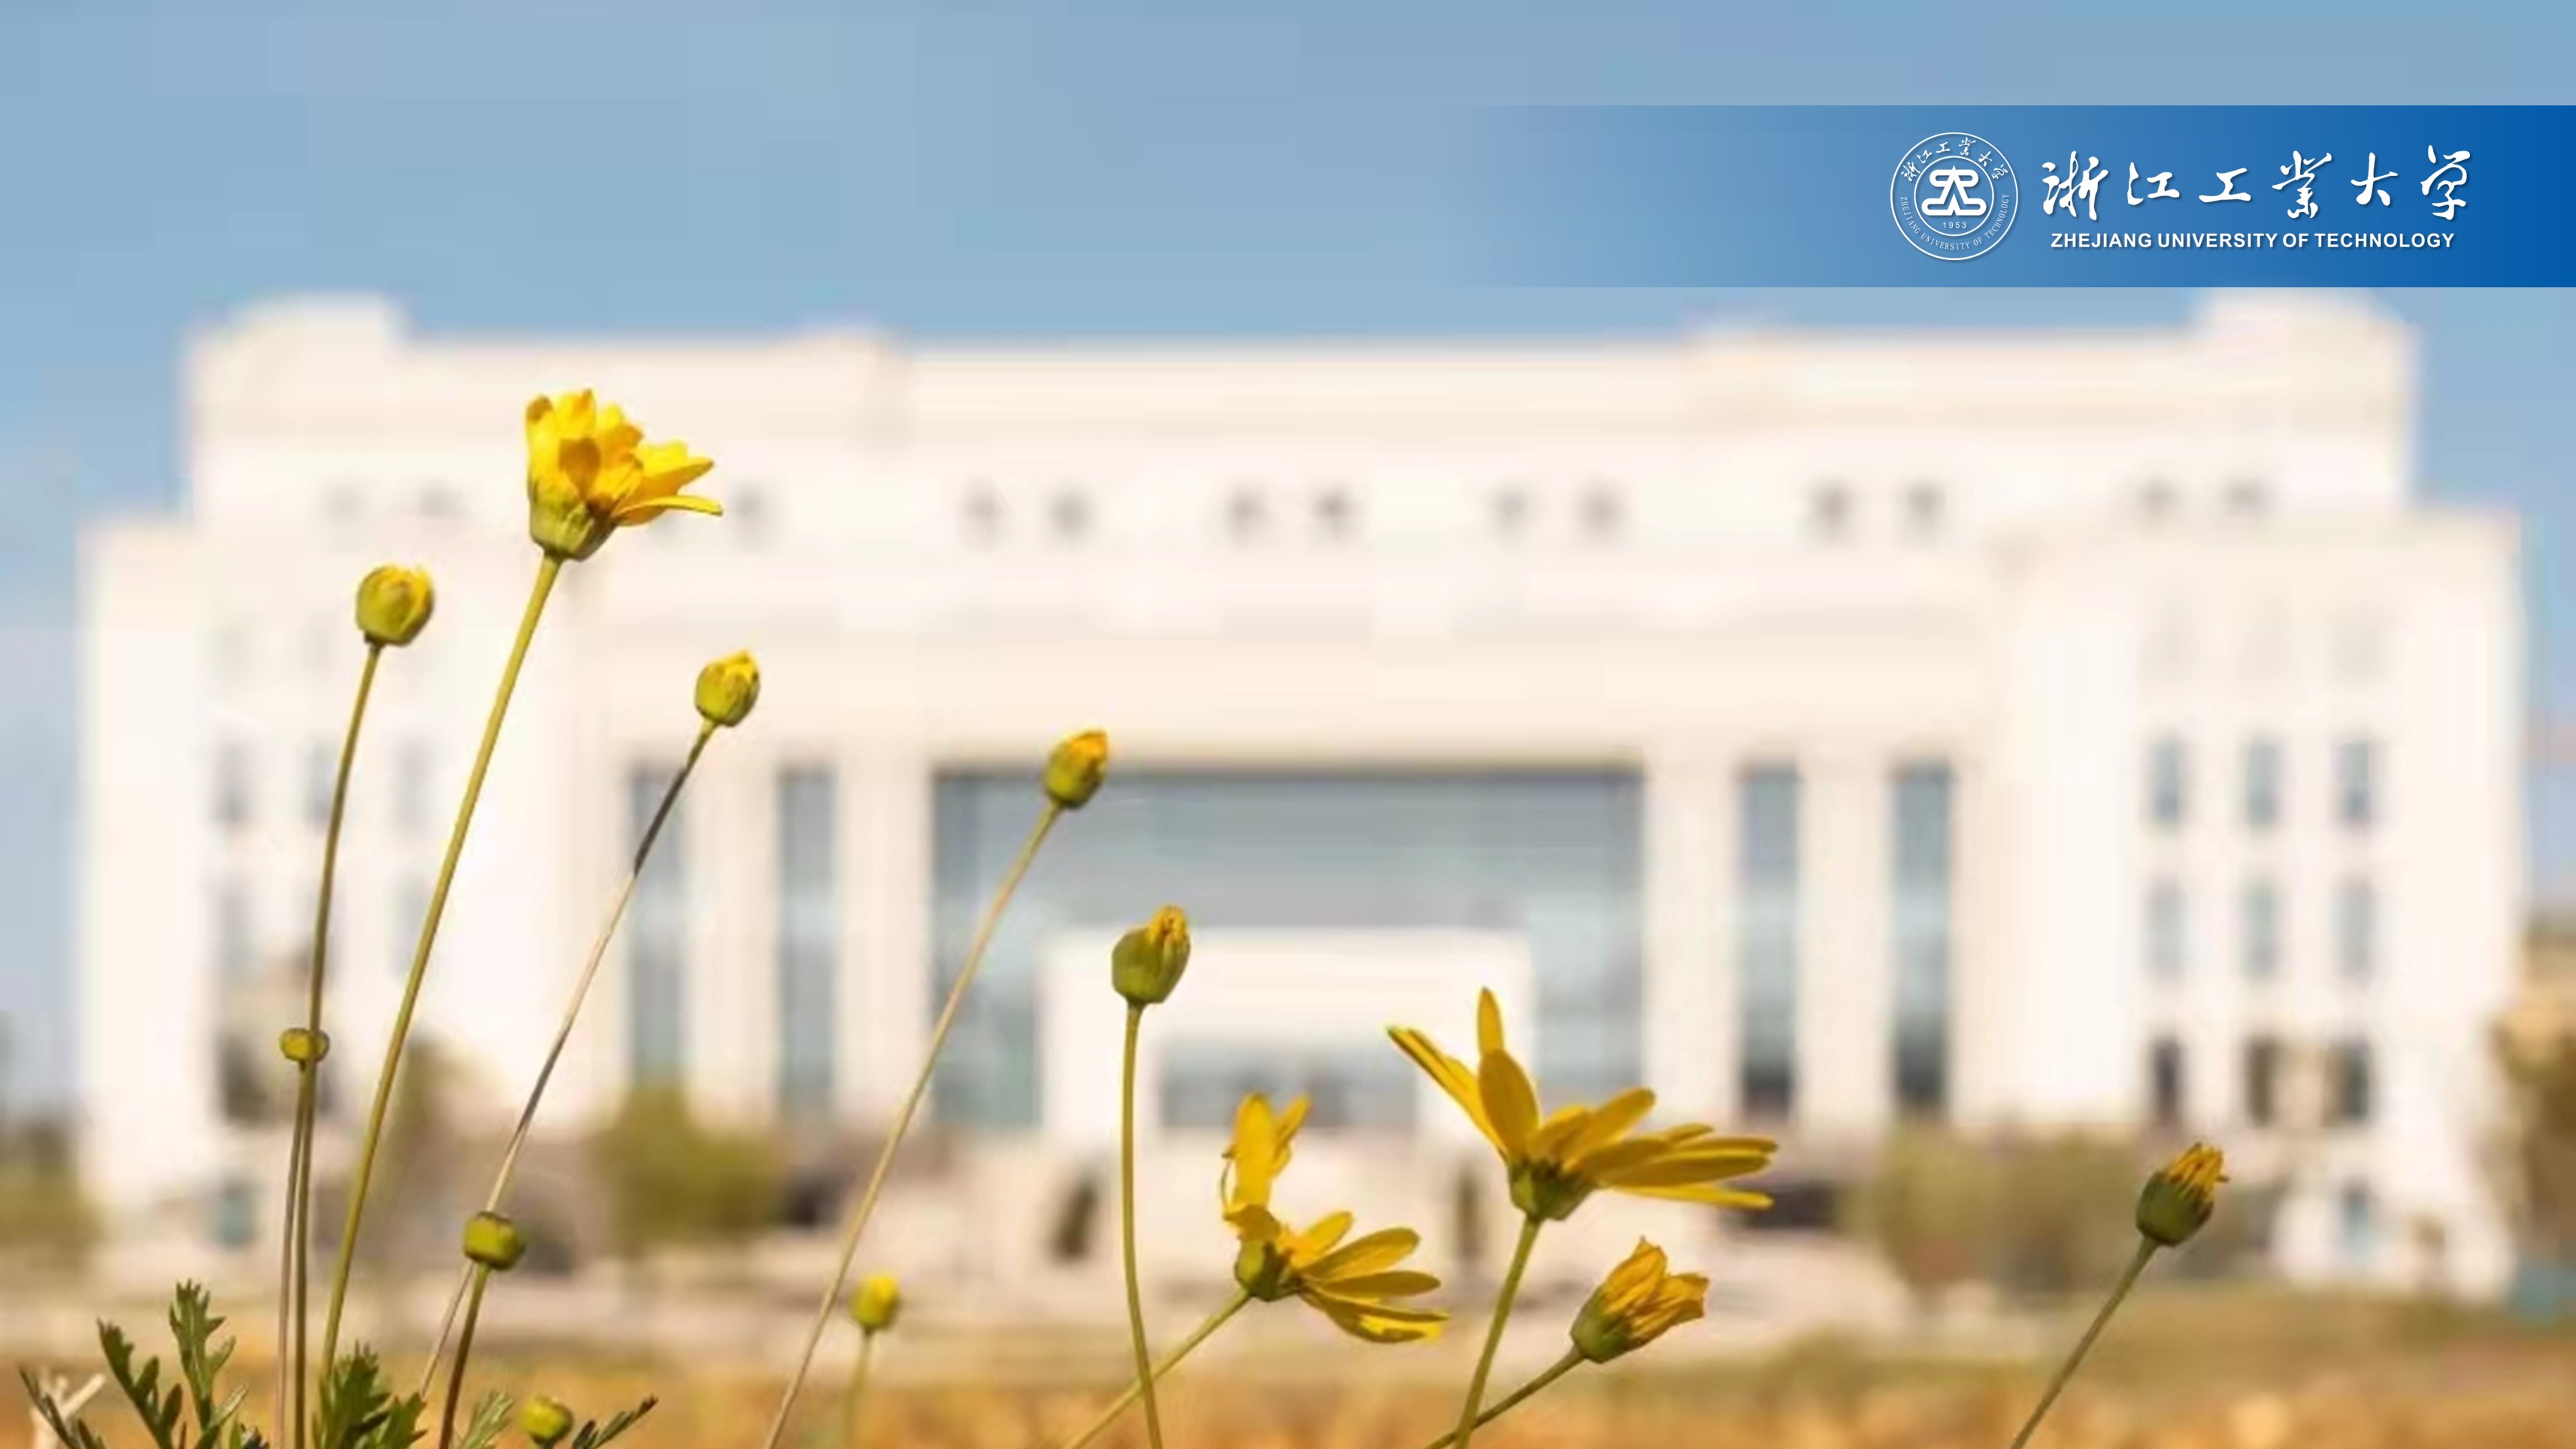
{"x": 394, "y": 604}
{"x": 1076, "y": 768}
{"x": 727, "y": 689}
{"x": 304, "y": 1046}
{"x": 1149, "y": 960}
{"x": 1639, "y": 1302}
{"x": 2179, "y": 1197}
{"x": 545, "y": 1421}
{"x": 494, "y": 1241}
{"x": 877, "y": 1304}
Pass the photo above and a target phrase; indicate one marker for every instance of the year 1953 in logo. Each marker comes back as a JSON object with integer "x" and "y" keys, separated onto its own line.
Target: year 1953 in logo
{"x": 1954, "y": 196}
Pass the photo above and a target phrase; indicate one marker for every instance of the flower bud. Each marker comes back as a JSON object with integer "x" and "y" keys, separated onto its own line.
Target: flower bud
{"x": 727, "y": 689}
{"x": 1148, "y": 961}
{"x": 1636, "y": 1305}
{"x": 304, "y": 1046}
{"x": 2178, "y": 1198}
{"x": 877, "y": 1304}
{"x": 494, "y": 1241}
{"x": 394, "y": 604}
{"x": 545, "y": 1421}
{"x": 1076, "y": 768}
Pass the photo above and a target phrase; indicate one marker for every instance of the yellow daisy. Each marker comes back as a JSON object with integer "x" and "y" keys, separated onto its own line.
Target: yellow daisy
{"x": 1354, "y": 1284}
{"x": 1637, "y": 1304}
{"x": 1557, "y": 1161}
{"x": 590, "y": 473}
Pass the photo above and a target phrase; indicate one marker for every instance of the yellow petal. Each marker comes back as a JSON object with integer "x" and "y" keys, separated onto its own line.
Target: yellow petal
{"x": 1511, "y": 1103}
{"x": 1371, "y": 1287}
{"x": 1378, "y": 1323}
{"x": 1255, "y": 1151}
{"x": 644, "y": 510}
{"x": 1619, "y": 1156}
{"x": 1489, "y": 1024}
{"x": 1382, "y": 1249}
{"x": 1319, "y": 1237}
{"x": 1611, "y": 1121}
{"x": 1708, "y": 1193}
{"x": 1563, "y": 1126}
{"x": 1676, "y": 1168}
{"x": 1450, "y": 1073}
{"x": 1291, "y": 1120}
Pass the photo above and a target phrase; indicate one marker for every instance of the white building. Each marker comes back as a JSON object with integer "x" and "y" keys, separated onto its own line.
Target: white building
{"x": 2019, "y": 729}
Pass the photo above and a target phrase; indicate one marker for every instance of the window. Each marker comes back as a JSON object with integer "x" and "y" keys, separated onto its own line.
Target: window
{"x": 2356, "y": 1222}
{"x": 2263, "y": 1081}
{"x": 1603, "y": 512}
{"x": 321, "y": 772}
{"x": 2357, "y": 928}
{"x": 1925, "y": 508}
{"x": 233, "y": 1214}
{"x": 2168, "y": 783}
{"x": 2260, "y": 925}
{"x": 1511, "y": 513}
{"x": 1767, "y": 939}
{"x": 1922, "y": 932}
{"x": 983, "y": 514}
{"x": 1069, "y": 515}
{"x": 747, "y": 504}
{"x": 2166, "y": 925}
{"x": 2248, "y": 498}
{"x": 656, "y": 937}
{"x": 2164, "y": 1082}
{"x": 437, "y": 500}
{"x": 2357, "y": 783}
{"x": 234, "y": 948}
{"x": 809, "y": 927}
{"x": 232, "y": 784}
{"x": 2348, "y": 1084}
{"x": 1246, "y": 516}
{"x": 2263, "y": 768}
{"x": 1335, "y": 514}
{"x": 2157, "y": 500}
{"x": 1829, "y": 510}
{"x": 340, "y": 505}
{"x": 1346, "y": 1088}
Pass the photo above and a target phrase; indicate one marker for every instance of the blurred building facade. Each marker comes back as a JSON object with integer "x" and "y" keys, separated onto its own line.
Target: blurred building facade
{"x": 2015, "y": 730}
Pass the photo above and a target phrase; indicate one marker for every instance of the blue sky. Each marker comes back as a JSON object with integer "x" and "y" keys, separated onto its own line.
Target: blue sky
{"x": 974, "y": 168}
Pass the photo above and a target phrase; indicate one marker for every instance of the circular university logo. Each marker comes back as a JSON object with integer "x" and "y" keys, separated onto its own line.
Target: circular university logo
{"x": 1954, "y": 196}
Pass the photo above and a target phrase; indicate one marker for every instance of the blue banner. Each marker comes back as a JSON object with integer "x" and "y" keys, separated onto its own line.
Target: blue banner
{"x": 2028, "y": 196}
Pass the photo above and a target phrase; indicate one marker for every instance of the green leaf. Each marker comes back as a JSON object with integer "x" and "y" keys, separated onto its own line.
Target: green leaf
{"x": 73, "y": 1431}
{"x": 202, "y": 1360}
{"x": 401, "y": 1427}
{"x": 491, "y": 1417}
{"x": 355, "y": 1402}
{"x": 159, "y": 1412}
{"x": 593, "y": 1434}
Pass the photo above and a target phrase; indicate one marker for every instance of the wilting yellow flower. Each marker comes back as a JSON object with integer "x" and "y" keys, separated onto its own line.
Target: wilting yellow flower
{"x": 2180, "y": 1195}
{"x": 1353, "y": 1284}
{"x": 877, "y": 1304}
{"x": 545, "y": 1420}
{"x": 1636, "y": 1304}
{"x": 590, "y": 473}
{"x": 1076, "y": 767}
{"x": 728, "y": 688}
{"x": 394, "y": 604}
{"x": 1557, "y": 1162}
{"x": 1148, "y": 961}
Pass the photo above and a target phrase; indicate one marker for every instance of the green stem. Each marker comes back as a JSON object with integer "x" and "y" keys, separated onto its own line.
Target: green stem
{"x": 939, "y": 1030}
{"x": 1127, "y": 1226}
{"x": 547, "y": 571}
{"x": 1171, "y": 1361}
{"x": 464, "y": 1350}
{"x": 1467, "y": 1420}
{"x": 563, "y": 1032}
{"x": 2066, "y": 1370}
{"x": 294, "y": 1254}
{"x": 1573, "y": 1360}
{"x": 856, "y": 1405}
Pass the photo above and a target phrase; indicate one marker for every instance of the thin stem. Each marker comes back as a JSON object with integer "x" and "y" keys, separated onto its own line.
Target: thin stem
{"x": 464, "y": 1350}
{"x": 1127, "y": 1226}
{"x": 1171, "y": 1361}
{"x": 563, "y": 1032}
{"x": 867, "y": 1204}
{"x": 1557, "y": 1370}
{"x": 2066, "y": 1370}
{"x": 856, "y": 1404}
{"x": 547, "y": 571}
{"x": 294, "y": 1252}
{"x": 1467, "y": 1420}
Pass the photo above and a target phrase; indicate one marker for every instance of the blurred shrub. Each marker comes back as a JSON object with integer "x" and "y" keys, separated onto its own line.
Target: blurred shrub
{"x": 45, "y": 1220}
{"x": 2539, "y": 1060}
{"x": 673, "y": 1181}
{"x": 2037, "y": 1216}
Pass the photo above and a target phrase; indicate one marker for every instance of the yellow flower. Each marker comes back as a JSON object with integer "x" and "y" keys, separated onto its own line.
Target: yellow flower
{"x": 546, "y": 1421}
{"x": 2180, "y": 1195}
{"x": 1076, "y": 767}
{"x": 1636, "y": 1304}
{"x": 394, "y": 604}
{"x": 728, "y": 688}
{"x": 1353, "y": 1284}
{"x": 1148, "y": 961}
{"x": 877, "y": 1304}
{"x": 1557, "y": 1162}
{"x": 590, "y": 473}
